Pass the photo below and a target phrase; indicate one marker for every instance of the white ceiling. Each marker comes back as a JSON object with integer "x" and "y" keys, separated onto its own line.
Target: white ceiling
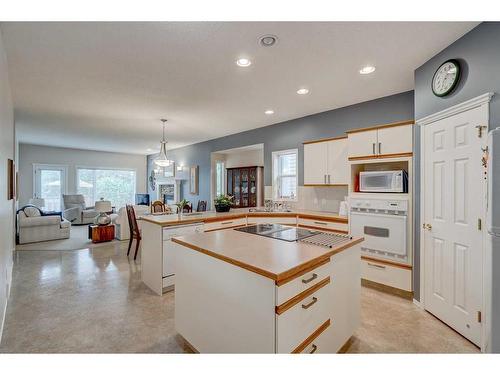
{"x": 104, "y": 86}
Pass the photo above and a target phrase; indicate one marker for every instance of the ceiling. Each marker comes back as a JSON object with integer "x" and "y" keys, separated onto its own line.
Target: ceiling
{"x": 104, "y": 86}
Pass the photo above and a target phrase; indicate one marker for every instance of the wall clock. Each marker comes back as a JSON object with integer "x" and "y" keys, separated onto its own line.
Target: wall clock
{"x": 446, "y": 78}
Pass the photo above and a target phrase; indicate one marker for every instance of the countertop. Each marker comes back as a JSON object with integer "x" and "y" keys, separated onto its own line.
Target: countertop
{"x": 211, "y": 216}
{"x": 272, "y": 258}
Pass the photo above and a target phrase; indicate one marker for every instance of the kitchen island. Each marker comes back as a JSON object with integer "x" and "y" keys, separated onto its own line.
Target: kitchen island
{"x": 237, "y": 292}
{"x": 157, "y": 231}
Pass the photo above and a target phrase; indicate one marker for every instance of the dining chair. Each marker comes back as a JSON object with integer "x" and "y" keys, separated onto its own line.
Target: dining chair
{"x": 188, "y": 208}
{"x": 202, "y": 206}
{"x": 157, "y": 207}
{"x": 134, "y": 230}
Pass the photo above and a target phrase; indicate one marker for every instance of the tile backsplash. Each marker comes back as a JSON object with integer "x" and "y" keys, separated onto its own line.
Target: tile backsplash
{"x": 315, "y": 198}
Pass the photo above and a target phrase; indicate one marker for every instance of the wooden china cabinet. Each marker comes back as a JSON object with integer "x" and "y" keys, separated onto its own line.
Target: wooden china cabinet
{"x": 245, "y": 185}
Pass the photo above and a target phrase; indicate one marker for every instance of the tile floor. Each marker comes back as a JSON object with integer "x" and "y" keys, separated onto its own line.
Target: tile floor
{"x": 92, "y": 301}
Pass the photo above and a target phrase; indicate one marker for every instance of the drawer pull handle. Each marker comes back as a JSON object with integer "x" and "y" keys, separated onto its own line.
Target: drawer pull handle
{"x": 320, "y": 222}
{"x": 376, "y": 265}
{"x": 226, "y": 222}
{"x": 310, "y": 303}
{"x": 313, "y": 277}
{"x": 314, "y": 348}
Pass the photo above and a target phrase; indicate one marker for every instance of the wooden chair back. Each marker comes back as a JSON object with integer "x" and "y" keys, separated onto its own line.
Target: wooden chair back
{"x": 157, "y": 207}
{"x": 202, "y": 206}
{"x": 132, "y": 222}
{"x": 188, "y": 208}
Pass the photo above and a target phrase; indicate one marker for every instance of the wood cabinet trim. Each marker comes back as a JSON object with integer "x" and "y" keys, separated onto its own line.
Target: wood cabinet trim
{"x": 324, "y": 218}
{"x": 303, "y": 272}
{"x": 222, "y": 228}
{"x": 324, "y": 229}
{"x": 299, "y": 297}
{"x": 325, "y": 140}
{"x": 387, "y": 262}
{"x": 381, "y": 156}
{"x": 224, "y": 218}
{"x": 382, "y": 126}
{"x": 311, "y": 338}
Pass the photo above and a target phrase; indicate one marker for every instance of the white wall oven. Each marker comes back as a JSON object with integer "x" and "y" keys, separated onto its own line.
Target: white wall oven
{"x": 383, "y": 181}
{"x": 384, "y": 226}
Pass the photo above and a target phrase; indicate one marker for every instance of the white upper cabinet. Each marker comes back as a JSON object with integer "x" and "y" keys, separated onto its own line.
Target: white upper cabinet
{"x": 315, "y": 163}
{"x": 362, "y": 144}
{"x": 325, "y": 162}
{"x": 386, "y": 141}
{"x": 338, "y": 166}
{"x": 395, "y": 140}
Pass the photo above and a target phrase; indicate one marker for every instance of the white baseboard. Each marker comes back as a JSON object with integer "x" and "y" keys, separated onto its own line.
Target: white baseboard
{"x": 418, "y": 303}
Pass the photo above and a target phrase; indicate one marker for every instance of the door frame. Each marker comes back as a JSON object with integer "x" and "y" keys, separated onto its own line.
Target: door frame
{"x": 481, "y": 101}
{"x": 50, "y": 166}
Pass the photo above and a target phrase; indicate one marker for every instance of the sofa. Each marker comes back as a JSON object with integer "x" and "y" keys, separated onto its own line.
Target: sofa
{"x": 75, "y": 210}
{"x": 120, "y": 220}
{"x": 34, "y": 226}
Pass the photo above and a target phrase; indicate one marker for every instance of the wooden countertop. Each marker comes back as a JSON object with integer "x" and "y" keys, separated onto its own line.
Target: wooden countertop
{"x": 272, "y": 258}
{"x": 212, "y": 216}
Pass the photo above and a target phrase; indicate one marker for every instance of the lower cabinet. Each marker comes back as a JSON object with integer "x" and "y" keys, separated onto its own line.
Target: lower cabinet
{"x": 224, "y": 224}
{"x": 395, "y": 276}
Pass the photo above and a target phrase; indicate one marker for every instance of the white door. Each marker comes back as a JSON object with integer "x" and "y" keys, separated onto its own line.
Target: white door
{"x": 315, "y": 163}
{"x": 395, "y": 140}
{"x": 338, "y": 166}
{"x": 363, "y": 144}
{"x": 50, "y": 184}
{"x": 453, "y": 204}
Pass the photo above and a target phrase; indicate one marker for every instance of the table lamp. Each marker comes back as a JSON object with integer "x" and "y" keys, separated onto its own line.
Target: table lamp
{"x": 103, "y": 207}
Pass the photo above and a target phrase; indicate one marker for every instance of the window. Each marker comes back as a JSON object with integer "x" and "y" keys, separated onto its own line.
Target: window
{"x": 219, "y": 178}
{"x": 285, "y": 175}
{"x": 115, "y": 185}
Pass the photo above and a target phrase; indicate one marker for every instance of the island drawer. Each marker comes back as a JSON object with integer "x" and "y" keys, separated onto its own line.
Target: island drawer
{"x": 288, "y": 289}
{"x": 319, "y": 341}
{"x": 298, "y": 322}
{"x": 223, "y": 224}
{"x": 287, "y": 220}
{"x": 324, "y": 224}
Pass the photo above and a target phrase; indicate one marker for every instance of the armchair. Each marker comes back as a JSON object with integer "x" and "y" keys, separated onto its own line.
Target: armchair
{"x": 75, "y": 210}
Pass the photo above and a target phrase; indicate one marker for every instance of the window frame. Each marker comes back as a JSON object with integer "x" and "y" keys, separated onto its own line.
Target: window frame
{"x": 222, "y": 178}
{"x": 275, "y": 169}
{"x": 78, "y": 167}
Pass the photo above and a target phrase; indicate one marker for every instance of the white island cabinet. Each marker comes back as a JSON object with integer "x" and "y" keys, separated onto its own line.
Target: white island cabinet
{"x": 241, "y": 293}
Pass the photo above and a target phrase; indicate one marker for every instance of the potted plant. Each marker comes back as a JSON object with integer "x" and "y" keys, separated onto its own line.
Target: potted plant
{"x": 180, "y": 206}
{"x": 223, "y": 203}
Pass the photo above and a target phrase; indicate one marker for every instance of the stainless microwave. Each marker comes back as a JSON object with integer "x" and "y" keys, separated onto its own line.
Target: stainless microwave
{"x": 383, "y": 181}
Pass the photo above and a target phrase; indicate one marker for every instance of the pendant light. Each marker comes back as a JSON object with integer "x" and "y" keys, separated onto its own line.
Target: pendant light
{"x": 162, "y": 160}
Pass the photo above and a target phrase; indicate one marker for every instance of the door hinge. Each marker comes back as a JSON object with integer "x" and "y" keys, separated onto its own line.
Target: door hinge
{"x": 479, "y": 317}
{"x": 480, "y": 129}
{"x": 479, "y": 224}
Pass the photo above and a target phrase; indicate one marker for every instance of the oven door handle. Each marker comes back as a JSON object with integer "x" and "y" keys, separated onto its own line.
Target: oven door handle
{"x": 357, "y": 213}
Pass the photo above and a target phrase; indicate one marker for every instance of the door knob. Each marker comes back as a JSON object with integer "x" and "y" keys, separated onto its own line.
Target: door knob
{"x": 427, "y": 226}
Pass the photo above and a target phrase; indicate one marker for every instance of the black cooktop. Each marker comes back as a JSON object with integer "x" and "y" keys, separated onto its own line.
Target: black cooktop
{"x": 278, "y": 231}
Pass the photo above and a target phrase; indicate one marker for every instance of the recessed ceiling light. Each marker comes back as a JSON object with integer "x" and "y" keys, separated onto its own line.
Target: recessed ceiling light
{"x": 303, "y": 91}
{"x": 149, "y": 149}
{"x": 269, "y": 112}
{"x": 243, "y": 62}
{"x": 367, "y": 69}
{"x": 268, "y": 40}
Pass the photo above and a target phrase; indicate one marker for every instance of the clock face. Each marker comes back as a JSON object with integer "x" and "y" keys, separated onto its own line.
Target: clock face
{"x": 446, "y": 78}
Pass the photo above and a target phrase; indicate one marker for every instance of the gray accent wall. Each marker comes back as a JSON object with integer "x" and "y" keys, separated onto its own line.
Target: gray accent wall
{"x": 289, "y": 135}
{"x": 479, "y": 54}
